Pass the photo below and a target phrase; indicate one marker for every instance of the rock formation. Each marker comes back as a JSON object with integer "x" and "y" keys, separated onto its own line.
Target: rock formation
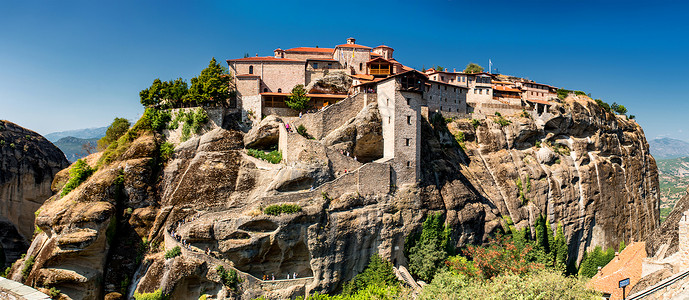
{"x": 577, "y": 165}
{"x": 28, "y": 163}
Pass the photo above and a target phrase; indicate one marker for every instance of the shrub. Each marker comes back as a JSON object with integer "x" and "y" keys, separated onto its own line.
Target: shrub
{"x": 302, "y": 131}
{"x": 563, "y": 93}
{"x": 502, "y": 255}
{"x": 157, "y": 295}
{"x": 502, "y": 121}
{"x": 174, "y": 252}
{"x": 12, "y": 145}
{"x": 606, "y": 107}
{"x": 6, "y": 272}
{"x": 273, "y": 157}
{"x": 278, "y": 209}
{"x": 378, "y": 272}
{"x": 166, "y": 151}
{"x": 229, "y": 277}
{"x": 28, "y": 265}
{"x": 459, "y": 138}
{"x": 53, "y": 292}
{"x": 618, "y": 109}
{"x": 473, "y": 68}
{"x": 297, "y": 99}
{"x": 594, "y": 259}
{"x": 579, "y": 93}
{"x": 192, "y": 122}
{"x": 78, "y": 174}
{"x": 475, "y": 123}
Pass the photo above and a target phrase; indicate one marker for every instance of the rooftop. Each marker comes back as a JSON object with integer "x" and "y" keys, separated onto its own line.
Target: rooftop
{"x": 311, "y": 50}
{"x": 626, "y": 265}
{"x": 352, "y": 46}
{"x": 264, "y": 58}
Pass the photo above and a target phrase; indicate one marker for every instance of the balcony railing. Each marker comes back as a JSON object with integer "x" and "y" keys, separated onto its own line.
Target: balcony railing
{"x": 380, "y": 72}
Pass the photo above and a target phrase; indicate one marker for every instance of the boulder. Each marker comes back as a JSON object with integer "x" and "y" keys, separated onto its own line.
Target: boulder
{"x": 265, "y": 135}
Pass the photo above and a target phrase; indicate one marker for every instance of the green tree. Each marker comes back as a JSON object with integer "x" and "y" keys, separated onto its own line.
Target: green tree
{"x": 378, "y": 272}
{"x": 429, "y": 252}
{"x": 212, "y": 86}
{"x": 619, "y": 109}
{"x": 118, "y": 127}
{"x": 439, "y": 68}
{"x": 560, "y": 250}
{"x": 164, "y": 93}
{"x": 473, "y": 68}
{"x": 297, "y": 99}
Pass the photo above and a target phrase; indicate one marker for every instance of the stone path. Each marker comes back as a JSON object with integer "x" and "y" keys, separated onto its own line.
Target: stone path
{"x": 10, "y": 289}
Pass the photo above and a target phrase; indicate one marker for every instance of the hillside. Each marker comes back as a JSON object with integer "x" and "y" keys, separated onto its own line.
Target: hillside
{"x": 578, "y": 166}
{"x": 73, "y": 147}
{"x": 86, "y": 133}
{"x": 667, "y": 148}
{"x": 673, "y": 175}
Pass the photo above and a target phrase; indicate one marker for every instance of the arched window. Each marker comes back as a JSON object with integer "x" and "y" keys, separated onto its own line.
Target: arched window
{"x": 279, "y": 90}
{"x": 265, "y": 90}
{"x": 251, "y": 69}
{"x": 361, "y": 66}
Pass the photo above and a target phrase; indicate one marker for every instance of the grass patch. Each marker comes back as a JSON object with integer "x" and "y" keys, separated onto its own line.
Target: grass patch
{"x": 77, "y": 175}
{"x": 278, "y": 209}
{"x": 28, "y": 265}
{"x": 157, "y": 295}
{"x": 475, "y": 123}
{"x": 301, "y": 130}
{"x": 459, "y": 138}
{"x": 273, "y": 157}
{"x": 502, "y": 121}
{"x": 174, "y": 252}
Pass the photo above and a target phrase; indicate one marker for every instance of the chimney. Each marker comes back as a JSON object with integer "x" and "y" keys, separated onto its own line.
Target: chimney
{"x": 600, "y": 271}
{"x": 454, "y": 70}
{"x": 351, "y": 41}
{"x": 617, "y": 255}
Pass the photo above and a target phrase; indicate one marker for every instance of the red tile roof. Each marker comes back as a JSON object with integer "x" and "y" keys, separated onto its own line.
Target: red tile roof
{"x": 628, "y": 265}
{"x": 539, "y": 101}
{"x": 506, "y": 89}
{"x": 322, "y": 59}
{"x": 383, "y": 46}
{"x": 264, "y": 58}
{"x": 311, "y": 49}
{"x": 247, "y": 75}
{"x": 362, "y": 76}
{"x": 352, "y": 46}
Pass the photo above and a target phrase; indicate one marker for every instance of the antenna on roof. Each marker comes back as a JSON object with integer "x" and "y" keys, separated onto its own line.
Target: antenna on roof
{"x": 490, "y": 67}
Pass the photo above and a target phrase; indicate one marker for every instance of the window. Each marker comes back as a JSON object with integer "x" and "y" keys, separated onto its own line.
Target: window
{"x": 455, "y": 90}
{"x": 442, "y": 78}
{"x": 387, "y": 102}
{"x": 480, "y": 91}
{"x": 361, "y": 66}
{"x": 408, "y": 121}
{"x": 279, "y": 90}
{"x": 315, "y": 65}
{"x": 408, "y": 164}
{"x": 330, "y": 65}
{"x": 251, "y": 69}
{"x": 406, "y": 142}
{"x": 408, "y": 101}
{"x": 265, "y": 90}
{"x": 441, "y": 108}
{"x": 446, "y": 88}
{"x": 388, "y": 120}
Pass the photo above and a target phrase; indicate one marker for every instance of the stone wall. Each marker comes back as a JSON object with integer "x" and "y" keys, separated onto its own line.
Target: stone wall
{"x": 320, "y": 123}
{"x": 353, "y": 58}
{"x": 274, "y": 74}
{"x": 446, "y": 98}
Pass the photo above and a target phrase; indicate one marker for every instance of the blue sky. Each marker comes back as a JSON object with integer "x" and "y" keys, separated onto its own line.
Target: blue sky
{"x": 79, "y": 64}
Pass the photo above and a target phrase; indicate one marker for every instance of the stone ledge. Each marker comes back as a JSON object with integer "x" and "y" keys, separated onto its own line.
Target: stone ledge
{"x": 19, "y": 290}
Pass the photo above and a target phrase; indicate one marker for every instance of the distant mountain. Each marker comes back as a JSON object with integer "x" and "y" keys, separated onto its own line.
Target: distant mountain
{"x": 87, "y": 133}
{"x": 73, "y": 147}
{"x": 666, "y": 148}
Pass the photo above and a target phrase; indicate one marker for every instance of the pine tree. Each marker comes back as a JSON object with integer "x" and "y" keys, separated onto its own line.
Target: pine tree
{"x": 560, "y": 247}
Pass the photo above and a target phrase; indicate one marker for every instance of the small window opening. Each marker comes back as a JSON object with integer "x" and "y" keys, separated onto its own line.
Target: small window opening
{"x": 409, "y": 120}
{"x": 265, "y": 90}
{"x": 279, "y": 90}
{"x": 251, "y": 69}
{"x": 406, "y": 142}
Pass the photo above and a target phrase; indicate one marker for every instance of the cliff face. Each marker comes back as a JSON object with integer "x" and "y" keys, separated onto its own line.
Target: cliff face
{"x": 579, "y": 166}
{"x": 28, "y": 163}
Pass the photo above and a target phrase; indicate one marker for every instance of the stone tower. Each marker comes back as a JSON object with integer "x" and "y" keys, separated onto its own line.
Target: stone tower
{"x": 684, "y": 239}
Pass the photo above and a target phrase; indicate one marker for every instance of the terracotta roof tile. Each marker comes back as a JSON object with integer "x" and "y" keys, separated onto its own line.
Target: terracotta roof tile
{"x": 311, "y": 49}
{"x": 627, "y": 265}
{"x": 352, "y": 46}
{"x": 506, "y": 89}
{"x": 247, "y": 75}
{"x": 264, "y": 58}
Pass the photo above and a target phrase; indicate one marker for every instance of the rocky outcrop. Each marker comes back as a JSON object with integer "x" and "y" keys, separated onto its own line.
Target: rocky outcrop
{"x": 578, "y": 165}
{"x": 265, "y": 134}
{"x": 336, "y": 83}
{"x": 28, "y": 163}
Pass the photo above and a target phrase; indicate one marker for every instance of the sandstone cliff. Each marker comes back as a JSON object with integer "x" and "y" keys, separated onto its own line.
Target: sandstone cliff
{"x": 28, "y": 163}
{"x": 579, "y": 166}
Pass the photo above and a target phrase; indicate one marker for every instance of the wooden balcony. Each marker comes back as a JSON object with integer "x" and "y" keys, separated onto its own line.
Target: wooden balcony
{"x": 379, "y": 72}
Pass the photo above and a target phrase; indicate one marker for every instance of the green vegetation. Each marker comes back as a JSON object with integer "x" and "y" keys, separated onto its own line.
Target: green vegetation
{"x": 475, "y": 123}
{"x": 118, "y": 127}
{"x": 579, "y": 93}
{"x": 301, "y": 130}
{"x": 618, "y": 108}
{"x": 502, "y": 121}
{"x": 297, "y": 99}
{"x": 473, "y": 68}
{"x": 229, "y": 277}
{"x": 174, "y": 252}
{"x": 428, "y": 252}
{"x": 157, "y": 295}
{"x": 53, "y": 293}
{"x": 192, "y": 122}
{"x": 211, "y": 87}
{"x": 459, "y": 138}
{"x": 603, "y": 105}
{"x": 594, "y": 259}
{"x": 166, "y": 150}
{"x": 273, "y": 157}
{"x": 78, "y": 174}
{"x": 563, "y": 93}
{"x": 6, "y": 272}
{"x": 278, "y": 209}
{"x": 378, "y": 272}
{"x": 523, "y": 190}
{"x": 28, "y": 265}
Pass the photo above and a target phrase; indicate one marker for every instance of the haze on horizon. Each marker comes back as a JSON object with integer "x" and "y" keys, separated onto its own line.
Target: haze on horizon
{"x": 79, "y": 64}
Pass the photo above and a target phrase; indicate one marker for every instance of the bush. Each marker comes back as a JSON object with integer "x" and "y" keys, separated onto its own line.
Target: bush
{"x": 594, "y": 259}
{"x": 606, "y": 107}
{"x": 502, "y": 121}
{"x": 473, "y": 68}
{"x": 459, "y": 138}
{"x": 301, "y": 130}
{"x": 174, "y": 252}
{"x": 579, "y": 93}
{"x": 229, "y": 277}
{"x": 78, "y": 174}
{"x": 563, "y": 93}
{"x": 28, "y": 265}
{"x": 157, "y": 295}
{"x": 6, "y": 272}
{"x": 166, "y": 151}
{"x": 278, "y": 209}
{"x": 273, "y": 157}
{"x": 475, "y": 123}
{"x": 192, "y": 122}
{"x": 53, "y": 292}
{"x": 378, "y": 272}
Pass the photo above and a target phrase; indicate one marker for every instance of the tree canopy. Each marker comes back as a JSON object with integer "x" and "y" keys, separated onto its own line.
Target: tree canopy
{"x": 473, "y": 68}
{"x": 297, "y": 99}
{"x": 118, "y": 127}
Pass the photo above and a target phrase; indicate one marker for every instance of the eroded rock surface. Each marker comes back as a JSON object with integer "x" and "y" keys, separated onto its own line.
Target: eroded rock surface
{"x": 28, "y": 163}
{"x": 589, "y": 170}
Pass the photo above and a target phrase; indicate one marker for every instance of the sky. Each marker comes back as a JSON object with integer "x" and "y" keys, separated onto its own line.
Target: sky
{"x": 68, "y": 65}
